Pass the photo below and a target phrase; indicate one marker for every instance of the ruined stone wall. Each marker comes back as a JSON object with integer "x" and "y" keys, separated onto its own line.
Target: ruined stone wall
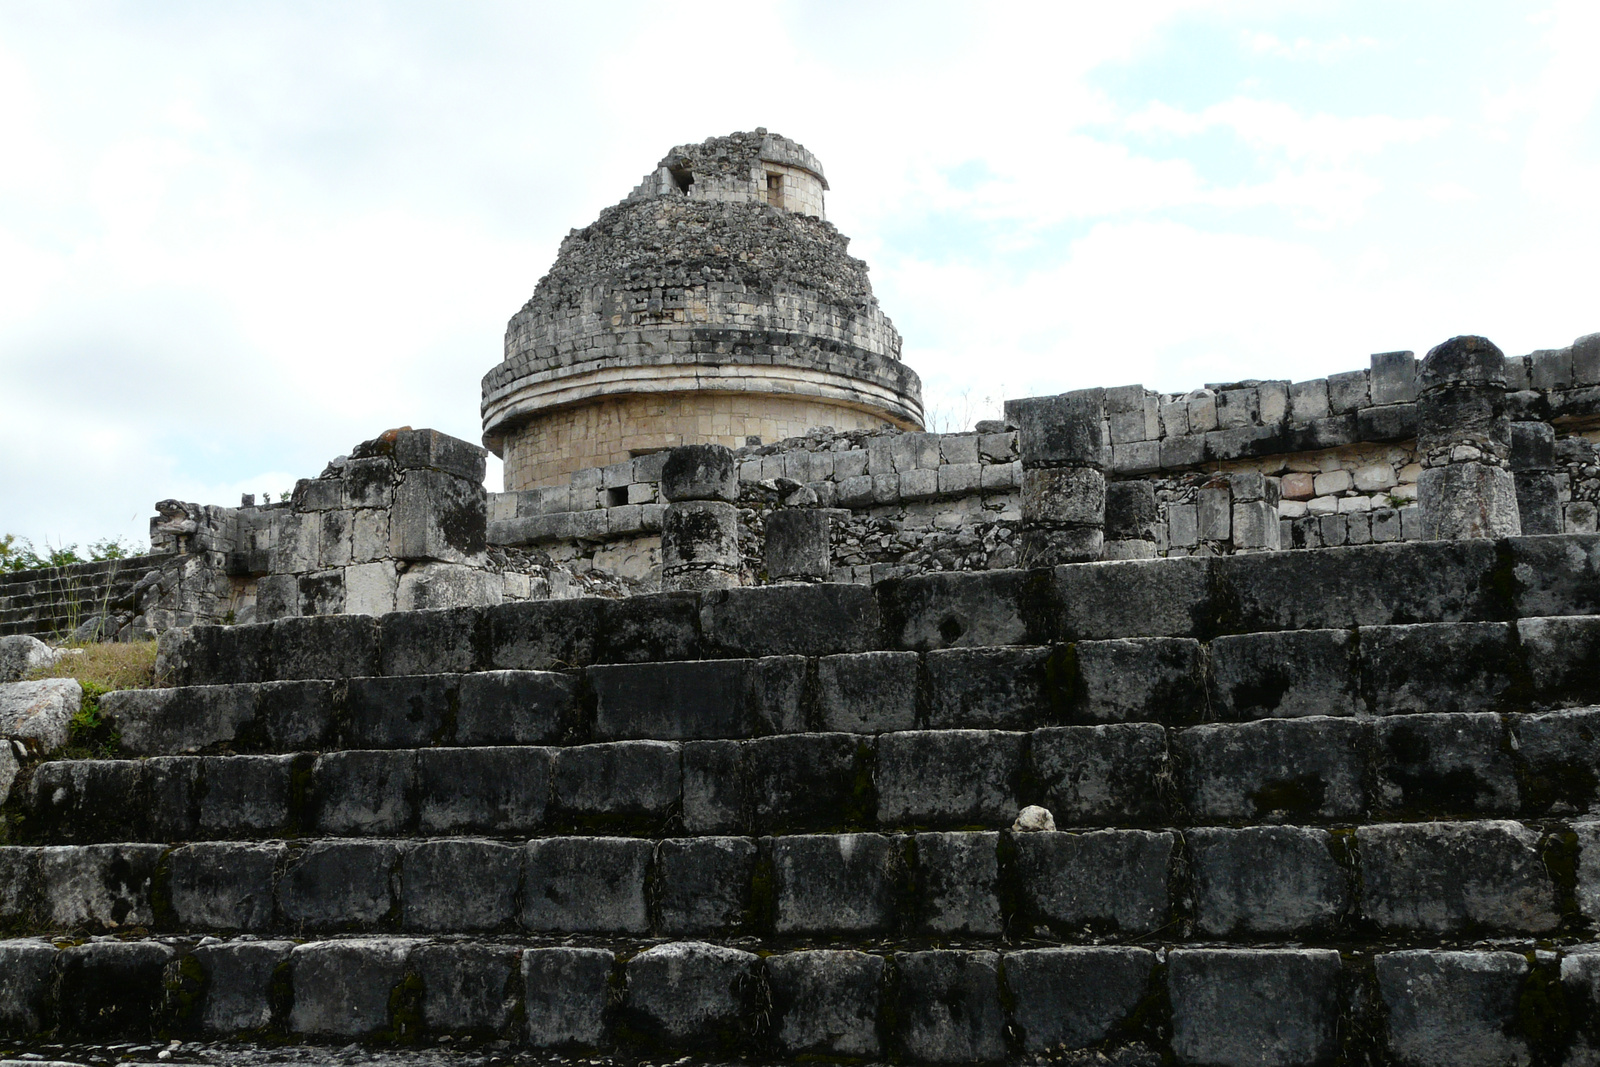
{"x": 1251, "y": 466}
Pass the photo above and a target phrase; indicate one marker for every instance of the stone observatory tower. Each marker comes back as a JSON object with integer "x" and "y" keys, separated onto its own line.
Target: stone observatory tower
{"x": 714, "y": 304}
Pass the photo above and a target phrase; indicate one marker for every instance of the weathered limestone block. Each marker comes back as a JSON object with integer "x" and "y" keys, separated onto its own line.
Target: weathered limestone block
{"x": 1437, "y": 667}
{"x": 1445, "y": 764}
{"x": 1468, "y": 499}
{"x": 338, "y": 885}
{"x": 1445, "y": 877}
{"x": 704, "y": 884}
{"x": 618, "y": 781}
{"x": 111, "y": 988}
{"x": 700, "y": 472}
{"x": 482, "y": 790}
{"x": 698, "y": 700}
{"x": 1058, "y": 532}
{"x": 954, "y": 609}
{"x": 825, "y": 1002}
{"x": 1111, "y": 880}
{"x": 958, "y": 876}
{"x": 797, "y": 544}
{"x": 515, "y": 707}
{"x": 238, "y": 976}
{"x": 807, "y": 781}
{"x": 8, "y": 771}
{"x": 1453, "y": 1009}
{"x": 1064, "y": 496}
{"x": 27, "y": 972}
{"x": 466, "y": 988}
{"x": 1093, "y": 775}
{"x": 432, "y": 450}
{"x": 949, "y": 1007}
{"x": 345, "y": 988}
{"x": 363, "y": 792}
{"x": 39, "y": 714}
{"x": 868, "y": 692}
{"x": 803, "y": 620}
{"x": 1154, "y": 679}
{"x": 97, "y": 887}
{"x": 948, "y": 777}
{"x": 457, "y": 886}
{"x": 1072, "y": 998}
{"x": 837, "y": 883}
{"x": 690, "y": 994}
{"x": 336, "y": 646}
{"x": 435, "y": 585}
{"x": 1266, "y": 880}
{"x": 714, "y": 788}
{"x": 566, "y": 993}
{"x": 1065, "y": 451}
{"x": 1284, "y": 675}
{"x": 586, "y": 885}
{"x": 228, "y": 886}
{"x": 438, "y": 516}
{"x": 1067, "y": 430}
{"x": 84, "y": 800}
{"x": 1273, "y": 1008}
{"x": 1130, "y": 520}
{"x": 370, "y": 588}
{"x": 1277, "y": 770}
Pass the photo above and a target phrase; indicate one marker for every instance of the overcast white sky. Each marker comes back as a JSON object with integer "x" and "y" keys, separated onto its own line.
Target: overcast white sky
{"x": 235, "y": 239}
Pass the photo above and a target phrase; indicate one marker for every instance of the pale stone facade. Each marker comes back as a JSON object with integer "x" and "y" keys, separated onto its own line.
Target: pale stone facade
{"x": 551, "y": 447}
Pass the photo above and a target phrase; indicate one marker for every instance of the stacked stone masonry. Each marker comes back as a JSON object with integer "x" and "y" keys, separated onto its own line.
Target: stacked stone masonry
{"x": 1329, "y": 807}
{"x": 61, "y": 601}
{"x": 1250, "y": 467}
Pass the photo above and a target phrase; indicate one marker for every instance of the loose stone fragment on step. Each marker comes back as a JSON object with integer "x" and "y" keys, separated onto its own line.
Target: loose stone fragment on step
{"x": 1033, "y": 819}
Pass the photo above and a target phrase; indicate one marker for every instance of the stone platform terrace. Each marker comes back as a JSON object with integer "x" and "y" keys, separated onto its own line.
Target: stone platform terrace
{"x": 1328, "y": 807}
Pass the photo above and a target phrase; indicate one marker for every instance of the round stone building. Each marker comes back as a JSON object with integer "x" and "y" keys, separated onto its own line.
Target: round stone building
{"x": 715, "y": 304}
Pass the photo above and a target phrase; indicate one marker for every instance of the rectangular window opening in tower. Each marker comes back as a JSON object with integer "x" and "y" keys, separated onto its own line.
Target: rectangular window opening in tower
{"x": 775, "y": 189}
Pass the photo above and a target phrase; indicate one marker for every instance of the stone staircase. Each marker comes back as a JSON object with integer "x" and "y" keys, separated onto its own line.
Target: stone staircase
{"x": 52, "y": 600}
{"x": 1312, "y": 808}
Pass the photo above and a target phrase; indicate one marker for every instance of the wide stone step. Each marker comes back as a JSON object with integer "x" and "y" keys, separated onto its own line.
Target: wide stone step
{"x": 1422, "y": 882}
{"x": 1312, "y": 769}
{"x": 1536, "y": 663}
{"x": 1372, "y": 585}
{"x": 940, "y": 1005}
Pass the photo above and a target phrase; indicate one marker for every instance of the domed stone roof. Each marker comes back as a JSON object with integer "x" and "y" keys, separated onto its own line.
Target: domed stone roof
{"x": 714, "y": 303}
